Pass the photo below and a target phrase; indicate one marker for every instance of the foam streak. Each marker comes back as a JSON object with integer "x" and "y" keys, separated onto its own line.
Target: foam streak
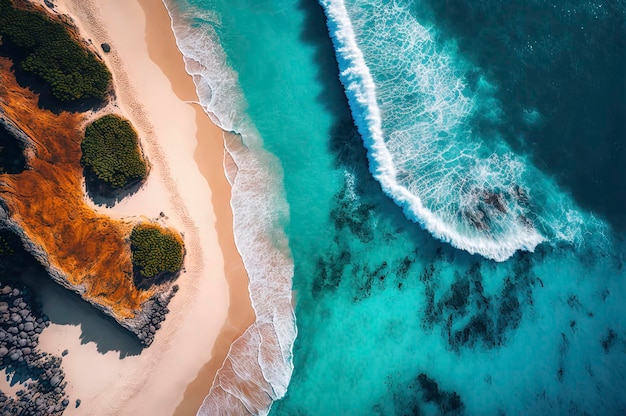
{"x": 259, "y": 364}
{"x": 434, "y": 171}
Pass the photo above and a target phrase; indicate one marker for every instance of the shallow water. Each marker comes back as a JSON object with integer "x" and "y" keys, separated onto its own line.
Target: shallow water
{"x": 390, "y": 319}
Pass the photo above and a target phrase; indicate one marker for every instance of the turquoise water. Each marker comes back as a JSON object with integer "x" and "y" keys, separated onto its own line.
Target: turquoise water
{"x": 379, "y": 189}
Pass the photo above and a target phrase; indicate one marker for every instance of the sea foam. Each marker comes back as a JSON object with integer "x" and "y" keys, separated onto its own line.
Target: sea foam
{"x": 259, "y": 365}
{"x": 433, "y": 167}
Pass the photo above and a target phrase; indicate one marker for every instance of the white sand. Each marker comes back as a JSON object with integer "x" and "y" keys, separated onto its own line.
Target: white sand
{"x": 187, "y": 183}
{"x": 6, "y": 387}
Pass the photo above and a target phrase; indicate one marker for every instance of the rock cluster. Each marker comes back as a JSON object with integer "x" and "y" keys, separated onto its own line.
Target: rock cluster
{"x": 21, "y": 322}
{"x": 155, "y": 311}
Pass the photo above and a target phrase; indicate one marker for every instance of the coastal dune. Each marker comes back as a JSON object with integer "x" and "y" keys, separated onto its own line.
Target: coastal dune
{"x": 186, "y": 190}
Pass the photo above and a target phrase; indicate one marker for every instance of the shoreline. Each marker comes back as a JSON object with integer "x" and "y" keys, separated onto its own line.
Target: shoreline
{"x": 213, "y": 307}
{"x": 259, "y": 366}
{"x": 209, "y": 153}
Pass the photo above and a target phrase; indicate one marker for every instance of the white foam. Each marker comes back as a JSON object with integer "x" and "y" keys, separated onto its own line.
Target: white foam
{"x": 362, "y": 95}
{"x": 259, "y": 364}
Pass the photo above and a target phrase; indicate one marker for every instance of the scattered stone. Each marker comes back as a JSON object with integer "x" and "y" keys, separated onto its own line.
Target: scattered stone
{"x": 77, "y": 402}
{"x": 106, "y": 47}
{"x": 21, "y": 322}
{"x": 55, "y": 381}
{"x": 64, "y": 353}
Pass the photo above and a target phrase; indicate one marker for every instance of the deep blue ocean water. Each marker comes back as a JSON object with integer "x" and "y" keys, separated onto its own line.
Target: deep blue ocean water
{"x": 449, "y": 176}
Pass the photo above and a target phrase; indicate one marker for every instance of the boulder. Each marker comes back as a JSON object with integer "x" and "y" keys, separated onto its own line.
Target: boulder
{"x": 55, "y": 381}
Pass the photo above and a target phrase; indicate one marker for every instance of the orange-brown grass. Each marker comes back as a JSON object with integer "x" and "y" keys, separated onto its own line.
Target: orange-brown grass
{"x": 47, "y": 201}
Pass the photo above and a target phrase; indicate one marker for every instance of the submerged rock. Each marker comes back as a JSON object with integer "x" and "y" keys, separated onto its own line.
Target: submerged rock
{"x": 496, "y": 200}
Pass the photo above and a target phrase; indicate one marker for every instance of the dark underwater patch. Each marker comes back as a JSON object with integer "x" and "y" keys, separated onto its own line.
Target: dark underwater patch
{"x": 466, "y": 315}
{"x": 448, "y": 403}
{"x": 411, "y": 398}
{"x": 608, "y": 340}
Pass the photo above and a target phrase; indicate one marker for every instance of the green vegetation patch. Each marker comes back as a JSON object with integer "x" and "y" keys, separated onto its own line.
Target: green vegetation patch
{"x": 45, "y": 48}
{"x": 111, "y": 152}
{"x": 155, "y": 250}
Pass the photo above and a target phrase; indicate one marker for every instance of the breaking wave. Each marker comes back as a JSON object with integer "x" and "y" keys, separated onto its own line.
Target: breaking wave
{"x": 430, "y": 122}
{"x": 259, "y": 365}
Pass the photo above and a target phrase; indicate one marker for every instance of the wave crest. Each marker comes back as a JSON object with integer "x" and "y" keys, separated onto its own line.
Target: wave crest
{"x": 422, "y": 150}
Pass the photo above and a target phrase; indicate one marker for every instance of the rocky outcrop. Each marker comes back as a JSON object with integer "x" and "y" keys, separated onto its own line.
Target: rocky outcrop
{"x": 83, "y": 251}
{"x": 148, "y": 317}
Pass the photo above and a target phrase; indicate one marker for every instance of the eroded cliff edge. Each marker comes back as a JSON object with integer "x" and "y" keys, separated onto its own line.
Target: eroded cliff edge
{"x": 82, "y": 250}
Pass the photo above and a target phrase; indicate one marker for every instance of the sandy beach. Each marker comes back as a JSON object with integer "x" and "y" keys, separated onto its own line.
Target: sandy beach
{"x": 104, "y": 367}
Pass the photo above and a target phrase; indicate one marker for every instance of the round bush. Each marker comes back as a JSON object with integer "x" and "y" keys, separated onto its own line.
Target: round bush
{"x": 111, "y": 152}
{"x": 155, "y": 250}
{"x": 45, "y": 48}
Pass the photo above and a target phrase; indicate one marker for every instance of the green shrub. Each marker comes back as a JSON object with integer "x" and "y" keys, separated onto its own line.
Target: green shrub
{"x": 111, "y": 152}
{"x": 45, "y": 48}
{"x": 155, "y": 251}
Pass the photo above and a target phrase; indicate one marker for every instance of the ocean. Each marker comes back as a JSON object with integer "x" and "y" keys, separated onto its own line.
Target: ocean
{"x": 437, "y": 187}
